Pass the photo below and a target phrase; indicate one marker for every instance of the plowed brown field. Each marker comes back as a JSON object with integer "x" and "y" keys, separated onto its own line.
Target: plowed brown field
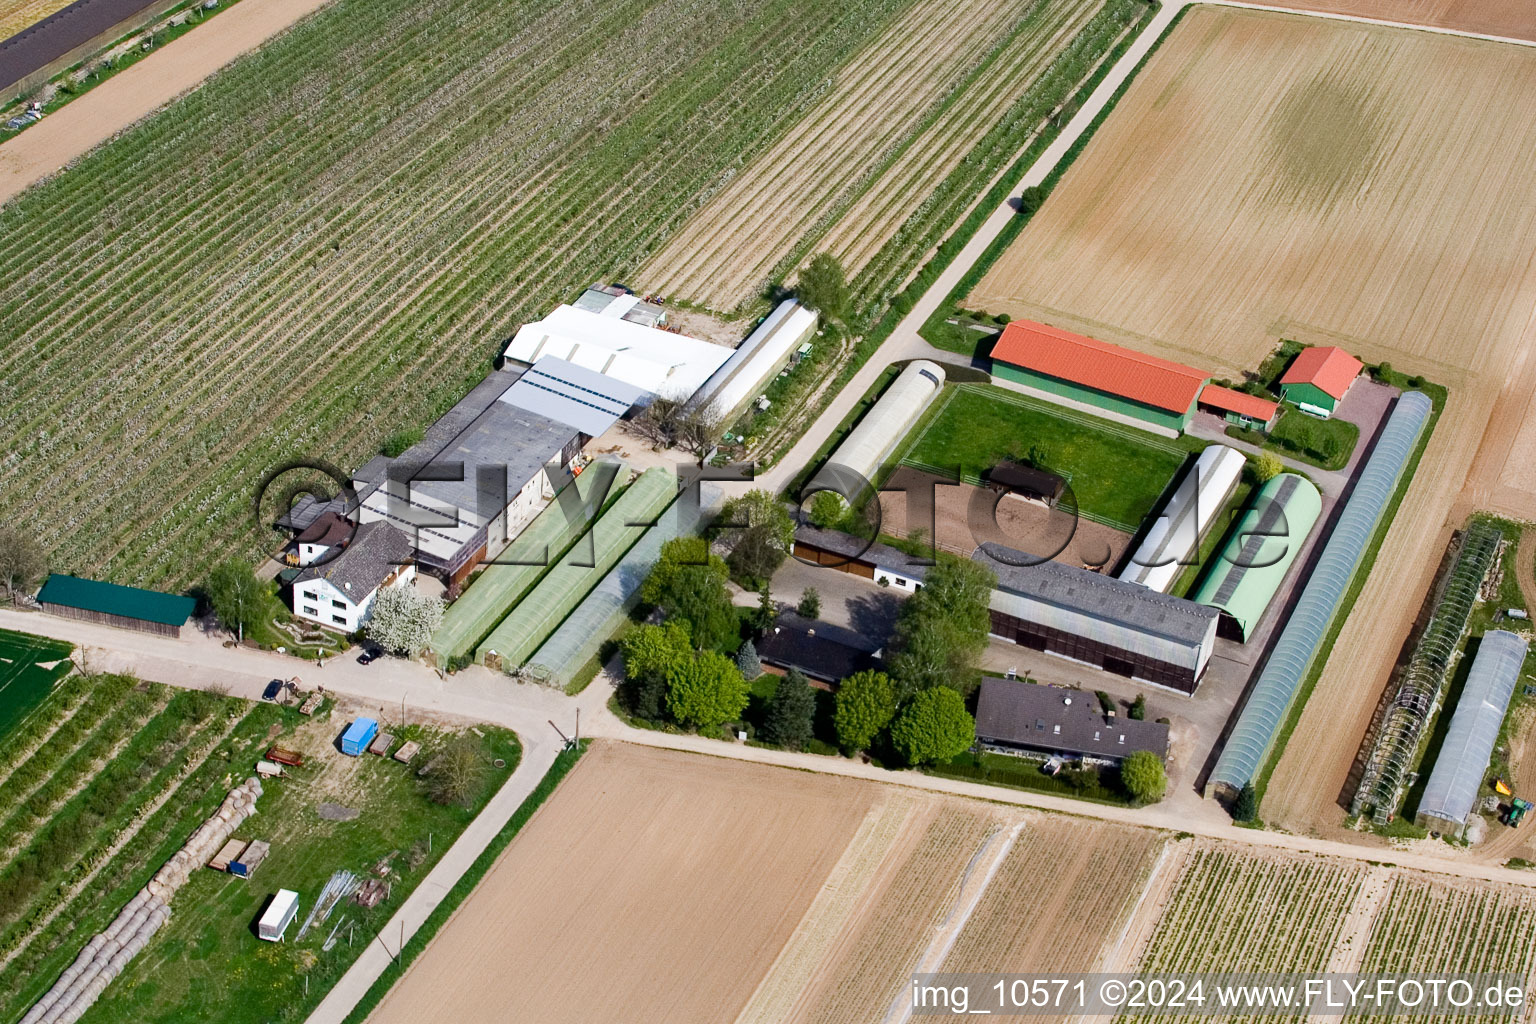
{"x": 1514, "y": 19}
{"x": 668, "y": 882}
{"x": 1274, "y": 176}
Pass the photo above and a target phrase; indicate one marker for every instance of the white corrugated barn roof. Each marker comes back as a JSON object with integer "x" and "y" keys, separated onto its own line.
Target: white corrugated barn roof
{"x": 663, "y": 363}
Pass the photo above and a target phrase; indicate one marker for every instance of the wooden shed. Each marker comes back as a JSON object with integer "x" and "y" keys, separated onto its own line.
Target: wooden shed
{"x": 148, "y": 611}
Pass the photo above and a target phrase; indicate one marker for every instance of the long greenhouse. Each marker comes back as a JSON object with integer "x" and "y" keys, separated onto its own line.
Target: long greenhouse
{"x": 1273, "y": 693}
{"x": 1457, "y": 778}
{"x": 852, "y": 468}
{"x": 1170, "y": 545}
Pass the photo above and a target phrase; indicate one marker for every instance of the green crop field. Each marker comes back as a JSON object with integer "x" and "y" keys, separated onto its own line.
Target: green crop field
{"x": 1116, "y": 472}
{"x": 29, "y": 667}
{"x": 108, "y": 779}
{"x": 333, "y": 237}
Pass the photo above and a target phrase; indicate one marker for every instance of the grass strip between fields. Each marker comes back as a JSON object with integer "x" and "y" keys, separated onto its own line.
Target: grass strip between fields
{"x": 564, "y": 762}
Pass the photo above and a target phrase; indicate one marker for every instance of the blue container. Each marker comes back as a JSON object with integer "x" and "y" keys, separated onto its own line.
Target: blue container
{"x": 358, "y": 735}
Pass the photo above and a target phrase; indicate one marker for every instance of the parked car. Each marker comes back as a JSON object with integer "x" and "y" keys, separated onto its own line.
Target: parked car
{"x": 369, "y": 655}
{"x": 274, "y": 690}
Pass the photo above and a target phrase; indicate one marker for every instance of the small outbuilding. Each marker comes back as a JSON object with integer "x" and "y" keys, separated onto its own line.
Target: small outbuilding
{"x": 1027, "y": 482}
{"x": 358, "y": 735}
{"x": 278, "y": 916}
{"x": 1240, "y": 408}
{"x": 810, "y": 650}
{"x": 1318, "y": 379}
{"x": 148, "y": 611}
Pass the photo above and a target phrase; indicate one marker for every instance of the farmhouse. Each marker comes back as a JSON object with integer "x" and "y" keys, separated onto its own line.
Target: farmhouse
{"x": 1248, "y": 573}
{"x": 1107, "y": 380}
{"x": 1019, "y": 717}
{"x": 1100, "y": 621}
{"x": 339, "y": 593}
{"x": 1457, "y": 777}
{"x": 1240, "y": 408}
{"x": 326, "y": 534}
{"x": 1318, "y": 379}
{"x": 607, "y": 341}
{"x": 856, "y": 462}
{"x": 811, "y": 651}
{"x": 147, "y": 611}
{"x": 756, "y": 360}
{"x": 1174, "y": 538}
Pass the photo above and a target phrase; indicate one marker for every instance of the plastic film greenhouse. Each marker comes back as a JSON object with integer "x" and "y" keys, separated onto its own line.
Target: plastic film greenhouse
{"x": 1270, "y": 700}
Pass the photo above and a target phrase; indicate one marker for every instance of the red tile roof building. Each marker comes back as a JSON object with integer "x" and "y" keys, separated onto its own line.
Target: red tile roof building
{"x": 1239, "y": 405}
{"x": 1318, "y": 378}
{"x": 1120, "y": 381}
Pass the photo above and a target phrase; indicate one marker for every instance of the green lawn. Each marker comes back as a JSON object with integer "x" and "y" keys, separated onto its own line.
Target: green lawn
{"x": 207, "y": 963}
{"x": 1326, "y": 444}
{"x": 1117, "y": 473}
{"x": 24, "y": 681}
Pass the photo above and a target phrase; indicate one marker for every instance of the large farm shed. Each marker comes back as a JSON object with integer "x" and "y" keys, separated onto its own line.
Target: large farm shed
{"x": 1457, "y": 777}
{"x": 147, "y": 611}
{"x": 662, "y": 362}
{"x": 1174, "y": 538}
{"x": 756, "y": 360}
{"x": 1100, "y": 621}
{"x": 1318, "y": 378}
{"x": 1270, "y": 699}
{"x": 1036, "y": 719}
{"x": 40, "y": 51}
{"x": 1251, "y": 566}
{"x": 566, "y": 393}
{"x": 1119, "y": 383}
{"x": 856, "y": 462}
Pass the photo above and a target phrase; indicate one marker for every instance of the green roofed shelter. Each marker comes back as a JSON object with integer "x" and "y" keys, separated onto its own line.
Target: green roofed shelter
{"x": 148, "y": 611}
{"x": 1253, "y": 563}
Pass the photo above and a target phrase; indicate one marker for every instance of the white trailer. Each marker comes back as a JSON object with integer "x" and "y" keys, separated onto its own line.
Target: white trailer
{"x": 280, "y": 914}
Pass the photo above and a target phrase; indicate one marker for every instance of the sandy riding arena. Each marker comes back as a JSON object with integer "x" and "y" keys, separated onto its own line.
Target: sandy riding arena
{"x": 1270, "y": 176}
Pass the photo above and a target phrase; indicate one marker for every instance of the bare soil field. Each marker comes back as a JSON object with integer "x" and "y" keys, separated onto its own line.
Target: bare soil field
{"x": 653, "y": 886}
{"x": 72, "y": 131}
{"x": 881, "y": 104}
{"x": 1355, "y": 185}
{"x": 1019, "y": 524}
{"x": 1513, "y": 19}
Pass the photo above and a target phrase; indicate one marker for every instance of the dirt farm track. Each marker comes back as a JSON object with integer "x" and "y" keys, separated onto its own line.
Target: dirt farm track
{"x": 1357, "y": 185}
{"x": 1513, "y": 19}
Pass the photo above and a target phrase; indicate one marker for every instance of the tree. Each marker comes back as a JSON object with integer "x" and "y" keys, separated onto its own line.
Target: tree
{"x": 688, "y": 583}
{"x": 456, "y": 773}
{"x": 934, "y": 726}
{"x": 650, "y": 655}
{"x": 865, "y": 704}
{"x": 942, "y": 629}
{"x": 707, "y": 691}
{"x": 810, "y": 604}
{"x": 1267, "y": 466}
{"x": 1138, "y": 709}
{"x": 760, "y": 532}
{"x": 767, "y": 611}
{"x": 791, "y": 714}
{"x": 236, "y": 595}
{"x": 1143, "y": 776}
{"x": 403, "y": 619}
{"x": 748, "y": 662}
{"x": 22, "y": 562}
{"x": 827, "y": 509}
{"x": 1247, "y": 806}
{"x": 823, "y": 286}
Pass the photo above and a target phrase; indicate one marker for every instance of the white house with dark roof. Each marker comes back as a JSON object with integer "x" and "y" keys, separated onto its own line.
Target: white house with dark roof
{"x": 328, "y": 533}
{"x": 339, "y": 593}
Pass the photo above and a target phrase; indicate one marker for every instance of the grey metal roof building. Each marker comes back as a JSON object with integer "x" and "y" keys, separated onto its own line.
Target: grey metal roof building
{"x": 503, "y": 436}
{"x": 1457, "y": 777}
{"x": 562, "y": 391}
{"x": 1288, "y": 663}
{"x": 1108, "y": 623}
{"x": 1030, "y": 717}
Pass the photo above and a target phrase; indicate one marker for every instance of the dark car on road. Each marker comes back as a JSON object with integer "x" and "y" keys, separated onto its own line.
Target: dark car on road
{"x": 369, "y": 654}
{"x": 274, "y": 690}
